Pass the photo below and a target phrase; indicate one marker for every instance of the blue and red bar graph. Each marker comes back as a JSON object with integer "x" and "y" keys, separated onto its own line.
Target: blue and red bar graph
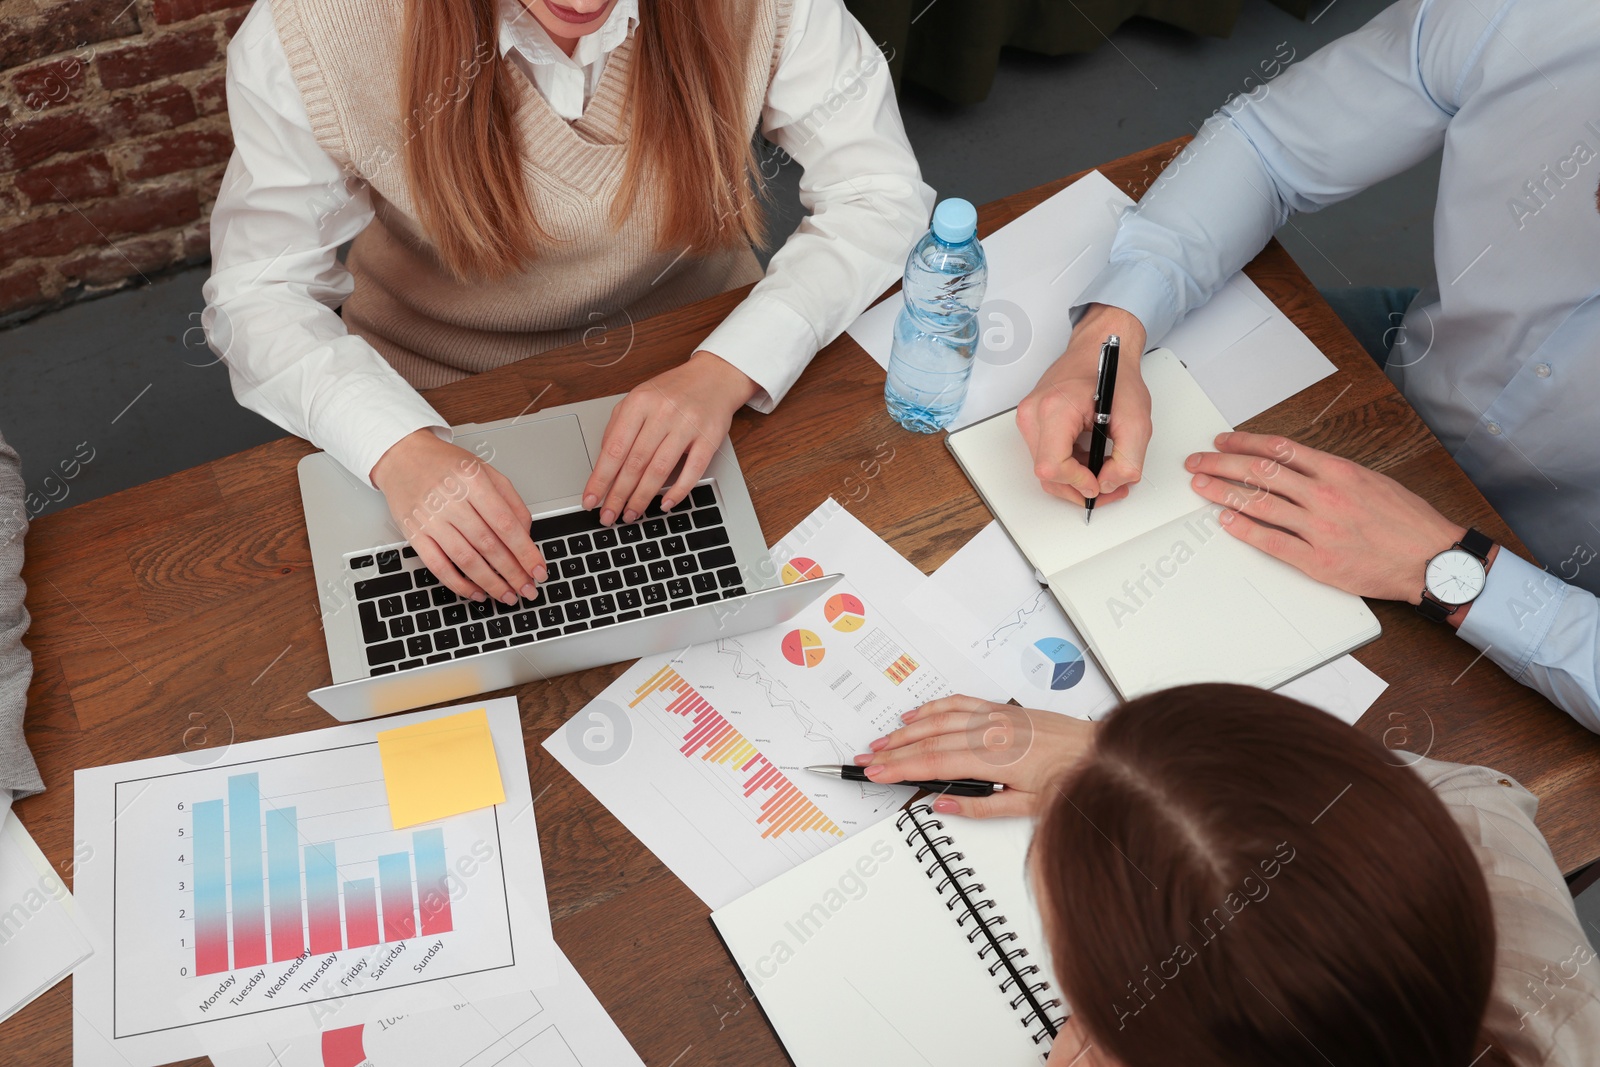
{"x": 298, "y": 894}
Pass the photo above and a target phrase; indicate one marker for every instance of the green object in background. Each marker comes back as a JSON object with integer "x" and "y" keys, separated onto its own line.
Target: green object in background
{"x": 952, "y": 47}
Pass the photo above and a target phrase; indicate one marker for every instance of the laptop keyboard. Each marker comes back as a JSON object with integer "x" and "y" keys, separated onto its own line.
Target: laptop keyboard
{"x": 599, "y": 576}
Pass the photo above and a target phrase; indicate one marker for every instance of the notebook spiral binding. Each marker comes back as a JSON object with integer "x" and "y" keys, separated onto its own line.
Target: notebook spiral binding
{"x": 1026, "y": 987}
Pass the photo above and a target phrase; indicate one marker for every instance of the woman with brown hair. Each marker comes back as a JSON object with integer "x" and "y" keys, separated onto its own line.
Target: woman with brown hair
{"x": 521, "y": 174}
{"x": 1230, "y": 877}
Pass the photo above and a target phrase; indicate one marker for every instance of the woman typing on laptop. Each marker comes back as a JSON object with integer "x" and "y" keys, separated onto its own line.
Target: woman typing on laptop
{"x": 1228, "y": 872}
{"x": 516, "y": 174}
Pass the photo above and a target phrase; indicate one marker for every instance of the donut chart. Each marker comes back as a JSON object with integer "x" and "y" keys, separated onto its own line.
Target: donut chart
{"x": 801, "y": 569}
{"x": 803, "y": 648}
{"x": 1053, "y": 663}
{"x": 845, "y": 612}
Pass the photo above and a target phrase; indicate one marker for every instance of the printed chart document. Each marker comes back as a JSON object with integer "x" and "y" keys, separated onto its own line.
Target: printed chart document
{"x": 1163, "y": 595}
{"x": 562, "y": 1026}
{"x": 1244, "y": 352}
{"x": 994, "y": 609}
{"x": 41, "y": 940}
{"x": 702, "y": 754}
{"x": 266, "y": 894}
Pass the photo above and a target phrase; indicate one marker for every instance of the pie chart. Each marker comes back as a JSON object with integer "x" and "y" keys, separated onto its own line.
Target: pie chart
{"x": 1053, "y": 663}
{"x": 801, "y": 569}
{"x": 845, "y": 613}
{"x": 803, "y": 648}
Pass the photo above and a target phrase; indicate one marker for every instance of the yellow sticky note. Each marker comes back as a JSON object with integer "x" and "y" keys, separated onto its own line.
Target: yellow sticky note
{"x": 439, "y": 768}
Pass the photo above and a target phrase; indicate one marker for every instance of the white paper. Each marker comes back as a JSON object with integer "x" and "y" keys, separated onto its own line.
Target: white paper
{"x": 701, "y": 754}
{"x": 141, "y": 1001}
{"x": 40, "y": 938}
{"x": 1252, "y": 356}
{"x": 562, "y": 1026}
{"x": 1344, "y": 688}
{"x": 1244, "y": 352}
{"x": 992, "y": 608}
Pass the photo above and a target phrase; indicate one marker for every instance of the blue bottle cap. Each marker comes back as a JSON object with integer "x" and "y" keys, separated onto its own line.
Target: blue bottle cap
{"x": 955, "y": 221}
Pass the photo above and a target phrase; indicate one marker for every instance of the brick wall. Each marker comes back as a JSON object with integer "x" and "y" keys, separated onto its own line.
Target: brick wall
{"x": 113, "y": 139}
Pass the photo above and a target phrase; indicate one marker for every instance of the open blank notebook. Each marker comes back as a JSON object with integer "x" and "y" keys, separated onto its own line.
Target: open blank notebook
{"x": 1161, "y": 592}
{"x": 914, "y": 943}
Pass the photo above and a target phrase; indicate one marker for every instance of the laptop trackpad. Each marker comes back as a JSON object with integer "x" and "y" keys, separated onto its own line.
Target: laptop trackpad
{"x": 545, "y": 458}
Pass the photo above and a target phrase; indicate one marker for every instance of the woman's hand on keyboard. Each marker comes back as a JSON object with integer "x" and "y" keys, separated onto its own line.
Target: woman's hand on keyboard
{"x": 682, "y": 414}
{"x": 464, "y": 518}
{"x": 964, "y": 737}
{"x": 1060, "y": 411}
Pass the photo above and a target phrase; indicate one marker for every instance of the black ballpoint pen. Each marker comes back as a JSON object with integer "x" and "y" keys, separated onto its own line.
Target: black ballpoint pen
{"x": 961, "y": 787}
{"x": 1104, "y": 388}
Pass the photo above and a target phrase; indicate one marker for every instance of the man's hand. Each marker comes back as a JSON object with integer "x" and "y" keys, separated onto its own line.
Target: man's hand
{"x": 1061, "y": 409}
{"x": 682, "y": 414}
{"x": 1337, "y": 521}
{"x": 464, "y": 518}
{"x": 964, "y": 737}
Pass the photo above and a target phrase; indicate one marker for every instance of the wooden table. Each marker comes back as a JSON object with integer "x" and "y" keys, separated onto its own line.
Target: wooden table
{"x": 171, "y": 614}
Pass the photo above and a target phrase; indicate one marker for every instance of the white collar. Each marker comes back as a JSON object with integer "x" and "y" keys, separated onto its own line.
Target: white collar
{"x": 521, "y": 31}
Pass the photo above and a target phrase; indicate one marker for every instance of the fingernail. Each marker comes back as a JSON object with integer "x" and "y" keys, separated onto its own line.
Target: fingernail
{"x": 1106, "y": 487}
{"x": 667, "y": 503}
{"x": 1226, "y": 518}
{"x": 875, "y": 770}
{"x": 1221, "y": 437}
{"x": 946, "y": 806}
{"x": 590, "y": 501}
{"x": 540, "y": 573}
{"x": 864, "y": 759}
{"x": 630, "y": 516}
{"x": 509, "y": 599}
{"x": 877, "y": 746}
{"x": 480, "y": 596}
{"x": 530, "y": 591}
{"x": 607, "y": 517}
{"x": 1193, "y": 461}
{"x": 910, "y": 716}
{"x": 1201, "y": 481}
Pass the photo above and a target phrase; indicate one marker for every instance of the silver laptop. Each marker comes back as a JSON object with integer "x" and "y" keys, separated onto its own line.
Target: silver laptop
{"x": 398, "y": 638}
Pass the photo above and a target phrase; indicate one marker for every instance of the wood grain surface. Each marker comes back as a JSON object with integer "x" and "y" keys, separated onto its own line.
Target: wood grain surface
{"x": 184, "y": 612}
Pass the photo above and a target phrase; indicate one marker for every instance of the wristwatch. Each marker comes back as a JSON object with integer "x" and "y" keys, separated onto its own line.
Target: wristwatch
{"x": 1455, "y": 576}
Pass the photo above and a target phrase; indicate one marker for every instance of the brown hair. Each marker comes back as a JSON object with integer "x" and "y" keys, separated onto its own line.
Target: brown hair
{"x": 1240, "y": 876}
{"x": 463, "y": 157}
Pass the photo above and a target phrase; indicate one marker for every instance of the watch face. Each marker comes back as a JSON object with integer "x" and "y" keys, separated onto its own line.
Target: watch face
{"x": 1454, "y": 576}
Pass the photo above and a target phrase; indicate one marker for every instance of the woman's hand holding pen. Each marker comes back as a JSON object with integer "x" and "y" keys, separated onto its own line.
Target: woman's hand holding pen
{"x": 1060, "y": 410}
{"x": 964, "y": 737}
{"x": 464, "y": 518}
{"x": 680, "y": 415}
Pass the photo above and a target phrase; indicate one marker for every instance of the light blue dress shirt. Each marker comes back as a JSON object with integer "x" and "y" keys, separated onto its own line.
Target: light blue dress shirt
{"x": 1501, "y": 353}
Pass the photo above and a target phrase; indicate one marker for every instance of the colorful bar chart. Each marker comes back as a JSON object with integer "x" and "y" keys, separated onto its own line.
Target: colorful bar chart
{"x": 785, "y": 808}
{"x": 881, "y": 651}
{"x": 294, "y": 888}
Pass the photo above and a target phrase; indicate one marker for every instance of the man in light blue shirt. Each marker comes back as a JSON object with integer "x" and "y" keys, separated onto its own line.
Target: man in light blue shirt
{"x": 1500, "y": 355}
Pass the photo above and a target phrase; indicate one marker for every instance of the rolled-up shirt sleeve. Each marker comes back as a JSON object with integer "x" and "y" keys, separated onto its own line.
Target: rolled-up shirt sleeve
{"x": 1541, "y": 631}
{"x": 1354, "y": 113}
{"x": 830, "y": 108}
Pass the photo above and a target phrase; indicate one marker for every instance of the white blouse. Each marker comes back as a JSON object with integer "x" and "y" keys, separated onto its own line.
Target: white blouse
{"x": 285, "y": 207}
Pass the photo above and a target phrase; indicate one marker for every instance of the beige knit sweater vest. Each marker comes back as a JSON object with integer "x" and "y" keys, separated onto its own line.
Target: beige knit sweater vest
{"x": 345, "y": 56}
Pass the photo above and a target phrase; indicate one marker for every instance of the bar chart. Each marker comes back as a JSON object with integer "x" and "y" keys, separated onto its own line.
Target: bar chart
{"x": 302, "y": 910}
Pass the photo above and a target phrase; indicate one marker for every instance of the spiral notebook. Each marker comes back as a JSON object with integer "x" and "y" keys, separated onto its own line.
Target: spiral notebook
{"x": 1161, "y": 592}
{"x": 915, "y": 942}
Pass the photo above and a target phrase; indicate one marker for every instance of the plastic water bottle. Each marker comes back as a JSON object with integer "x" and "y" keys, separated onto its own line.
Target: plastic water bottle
{"x": 936, "y": 334}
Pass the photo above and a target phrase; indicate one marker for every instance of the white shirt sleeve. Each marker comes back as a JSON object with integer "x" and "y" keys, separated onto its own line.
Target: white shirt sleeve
{"x": 831, "y": 108}
{"x": 283, "y": 210}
